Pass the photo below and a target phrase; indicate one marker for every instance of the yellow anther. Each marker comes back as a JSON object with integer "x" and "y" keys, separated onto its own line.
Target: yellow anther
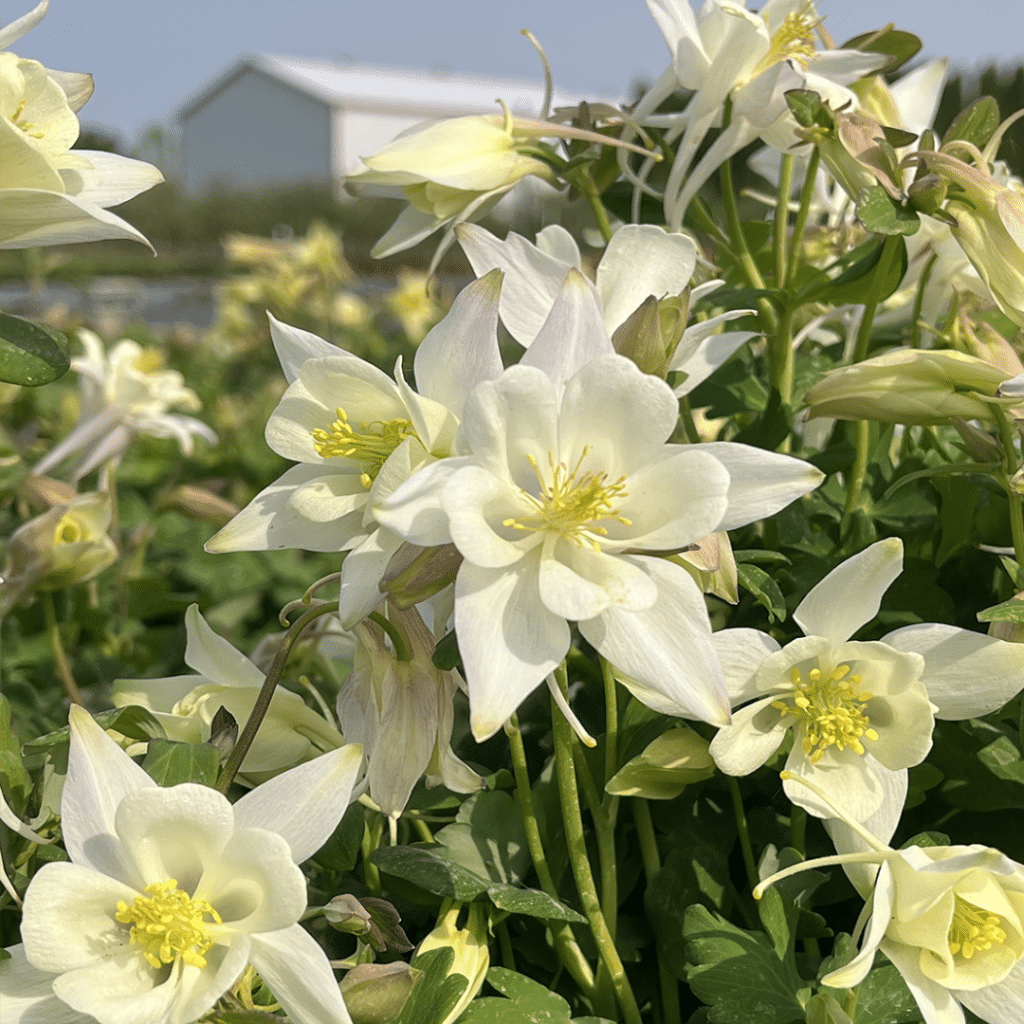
{"x": 831, "y": 711}
{"x": 973, "y": 929}
{"x": 792, "y": 40}
{"x": 371, "y": 446}
{"x": 168, "y": 924}
{"x": 572, "y": 503}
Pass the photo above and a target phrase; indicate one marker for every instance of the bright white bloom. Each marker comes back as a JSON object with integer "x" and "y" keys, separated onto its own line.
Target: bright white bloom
{"x": 185, "y": 706}
{"x": 356, "y": 434}
{"x": 401, "y": 712}
{"x": 641, "y": 260}
{"x": 123, "y": 394}
{"x": 559, "y": 492}
{"x": 50, "y": 193}
{"x": 727, "y": 54}
{"x": 950, "y": 918}
{"x": 862, "y": 712}
{"x": 171, "y": 892}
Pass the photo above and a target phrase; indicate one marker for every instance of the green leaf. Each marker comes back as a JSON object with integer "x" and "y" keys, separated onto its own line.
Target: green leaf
{"x": 976, "y": 124}
{"x": 926, "y": 839}
{"x": 488, "y": 837}
{"x": 31, "y": 353}
{"x": 761, "y": 555}
{"x": 764, "y": 588}
{"x": 169, "y": 763}
{"x": 1002, "y": 758}
{"x": 137, "y": 723}
{"x": 1008, "y": 611}
{"x": 532, "y": 903}
{"x": 850, "y": 278}
{"x": 896, "y": 44}
{"x": 807, "y": 108}
{"x": 738, "y": 973}
{"x": 433, "y": 868}
{"x": 341, "y": 851}
{"x": 437, "y": 992}
{"x": 526, "y": 1002}
{"x": 446, "y": 653}
{"x": 883, "y": 215}
{"x": 13, "y": 777}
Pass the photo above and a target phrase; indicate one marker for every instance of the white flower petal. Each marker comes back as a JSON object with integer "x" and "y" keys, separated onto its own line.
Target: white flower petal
{"x": 462, "y": 350}
{"x": 100, "y": 775}
{"x": 198, "y": 990}
{"x": 573, "y": 333}
{"x": 508, "y": 639}
{"x": 591, "y": 581}
{"x": 31, "y": 217}
{"x": 26, "y": 994}
{"x": 966, "y": 674}
{"x": 755, "y": 733}
{"x": 555, "y": 241}
{"x": 1002, "y": 1003}
{"x": 937, "y": 1004}
{"x": 305, "y": 804}
{"x": 111, "y": 180}
{"x": 760, "y": 482}
{"x": 664, "y": 654}
{"x": 294, "y": 346}
{"x": 741, "y": 653}
{"x": 414, "y": 511}
{"x": 213, "y": 657}
{"x": 850, "y": 780}
{"x": 14, "y": 30}
{"x": 68, "y": 919}
{"x": 707, "y": 357}
{"x": 850, "y": 595}
{"x": 857, "y": 969}
{"x": 361, "y": 573}
{"x": 297, "y": 971}
{"x": 121, "y": 990}
{"x": 642, "y": 260}
{"x": 477, "y": 503}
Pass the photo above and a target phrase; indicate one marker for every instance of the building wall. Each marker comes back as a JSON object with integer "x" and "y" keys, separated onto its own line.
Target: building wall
{"x": 253, "y": 132}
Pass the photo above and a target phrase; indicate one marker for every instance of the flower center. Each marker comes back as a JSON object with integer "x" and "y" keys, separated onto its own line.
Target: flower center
{"x": 25, "y": 126}
{"x": 370, "y": 446}
{"x": 68, "y": 531}
{"x": 831, "y": 710}
{"x": 571, "y": 503}
{"x": 149, "y": 360}
{"x": 973, "y": 929}
{"x": 167, "y": 923}
{"x": 792, "y": 40}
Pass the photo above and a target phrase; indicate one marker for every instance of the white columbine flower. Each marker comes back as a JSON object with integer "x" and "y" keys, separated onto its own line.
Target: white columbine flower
{"x": 124, "y": 393}
{"x": 49, "y": 193}
{"x": 862, "y": 712}
{"x": 641, "y": 260}
{"x": 170, "y": 893}
{"x": 185, "y": 706}
{"x": 949, "y": 918}
{"x": 356, "y": 434}
{"x": 558, "y": 493}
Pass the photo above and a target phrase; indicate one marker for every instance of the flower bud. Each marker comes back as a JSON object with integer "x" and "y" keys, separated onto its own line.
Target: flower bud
{"x": 376, "y": 993}
{"x": 677, "y": 758}
{"x": 469, "y": 944}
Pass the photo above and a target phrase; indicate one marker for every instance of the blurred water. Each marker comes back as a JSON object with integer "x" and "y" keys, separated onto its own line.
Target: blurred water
{"x": 108, "y": 303}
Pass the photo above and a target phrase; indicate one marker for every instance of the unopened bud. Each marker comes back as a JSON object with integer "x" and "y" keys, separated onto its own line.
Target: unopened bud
{"x": 675, "y": 760}
{"x": 200, "y": 504}
{"x": 415, "y": 573}
{"x": 376, "y": 993}
{"x": 981, "y": 446}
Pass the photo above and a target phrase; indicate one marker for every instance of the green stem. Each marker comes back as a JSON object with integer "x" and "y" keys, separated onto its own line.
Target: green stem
{"x": 508, "y": 958}
{"x": 915, "y": 319}
{"x": 737, "y": 238}
{"x": 370, "y": 842}
{"x": 652, "y": 865}
{"x": 1014, "y": 499}
{"x": 744, "y": 831}
{"x": 266, "y": 694}
{"x": 800, "y": 224}
{"x": 859, "y": 469}
{"x": 798, "y": 829}
{"x": 60, "y": 658}
{"x": 611, "y": 718}
{"x": 565, "y": 942}
{"x": 686, "y": 418}
{"x": 576, "y": 844}
{"x": 421, "y": 828}
{"x": 603, "y": 224}
{"x": 782, "y": 219}
{"x": 781, "y": 352}
{"x": 604, "y": 830}
{"x": 403, "y": 652}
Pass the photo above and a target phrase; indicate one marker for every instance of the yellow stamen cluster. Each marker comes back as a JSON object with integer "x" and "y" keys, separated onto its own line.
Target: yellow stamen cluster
{"x": 973, "y": 929}
{"x": 831, "y": 709}
{"x": 792, "y": 40}
{"x": 370, "y": 446}
{"x": 149, "y": 360}
{"x": 572, "y": 502}
{"x": 168, "y": 924}
{"x": 25, "y": 126}
{"x": 68, "y": 530}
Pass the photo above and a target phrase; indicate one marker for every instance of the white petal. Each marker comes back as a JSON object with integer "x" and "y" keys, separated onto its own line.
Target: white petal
{"x": 708, "y": 356}
{"x": 642, "y": 260}
{"x": 741, "y": 653}
{"x": 587, "y": 582}
{"x": 477, "y": 504}
{"x": 305, "y": 804}
{"x": 68, "y": 917}
{"x": 508, "y": 639}
{"x": 26, "y": 994}
{"x": 936, "y": 1003}
{"x": 755, "y": 733}
{"x": 532, "y": 281}
{"x": 121, "y": 990}
{"x": 198, "y": 989}
{"x": 100, "y": 775}
{"x": 14, "y": 30}
{"x": 209, "y": 654}
{"x": 361, "y": 573}
{"x": 966, "y": 674}
{"x": 1002, "y": 1003}
{"x": 851, "y": 594}
{"x": 294, "y": 346}
{"x": 297, "y": 971}
{"x": 857, "y": 969}
{"x": 760, "y": 482}
{"x": 31, "y": 217}
{"x": 111, "y": 180}
{"x": 850, "y": 780}
{"x": 414, "y": 511}
{"x": 664, "y": 653}
{"x": 555, "y": 241}
{"x": 270, "y": 522}
{"x": 462, "y": 350}
{"x": 573, "y": 333}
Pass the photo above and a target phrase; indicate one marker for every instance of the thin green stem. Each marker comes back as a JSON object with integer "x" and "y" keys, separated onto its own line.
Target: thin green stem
{"x": 922, "y": 284}
{"x": 611, "y": 720}
{"x": 737, "y": 238}
{"x": 652, "y": 865}
{"x": 508, "y": 958}
{"x": 743, "y": 830}
{"x": 60, "y": 658}
{"x": 686, "y": 418}
{"x": 802, "y": 213}
{"x": 589, "y": 189}
{"x": 403, "y": 652}
{"x": 266, "y": 694}
{"x": 421, "y": 828}
{"x": 782, "y": 219}
{"x": 565, "y": 942}
{"x": 372, "y": 832}
{"x": 781, "y": 352}
{"x": 604, "y": 830}
{"x": 859, "y": 469}
{"x": 798, "y": 829}
{"x": 576, "y": 844}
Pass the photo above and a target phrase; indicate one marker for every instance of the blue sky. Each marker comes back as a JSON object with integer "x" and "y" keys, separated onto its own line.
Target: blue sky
{"x": 148, "y": 57}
